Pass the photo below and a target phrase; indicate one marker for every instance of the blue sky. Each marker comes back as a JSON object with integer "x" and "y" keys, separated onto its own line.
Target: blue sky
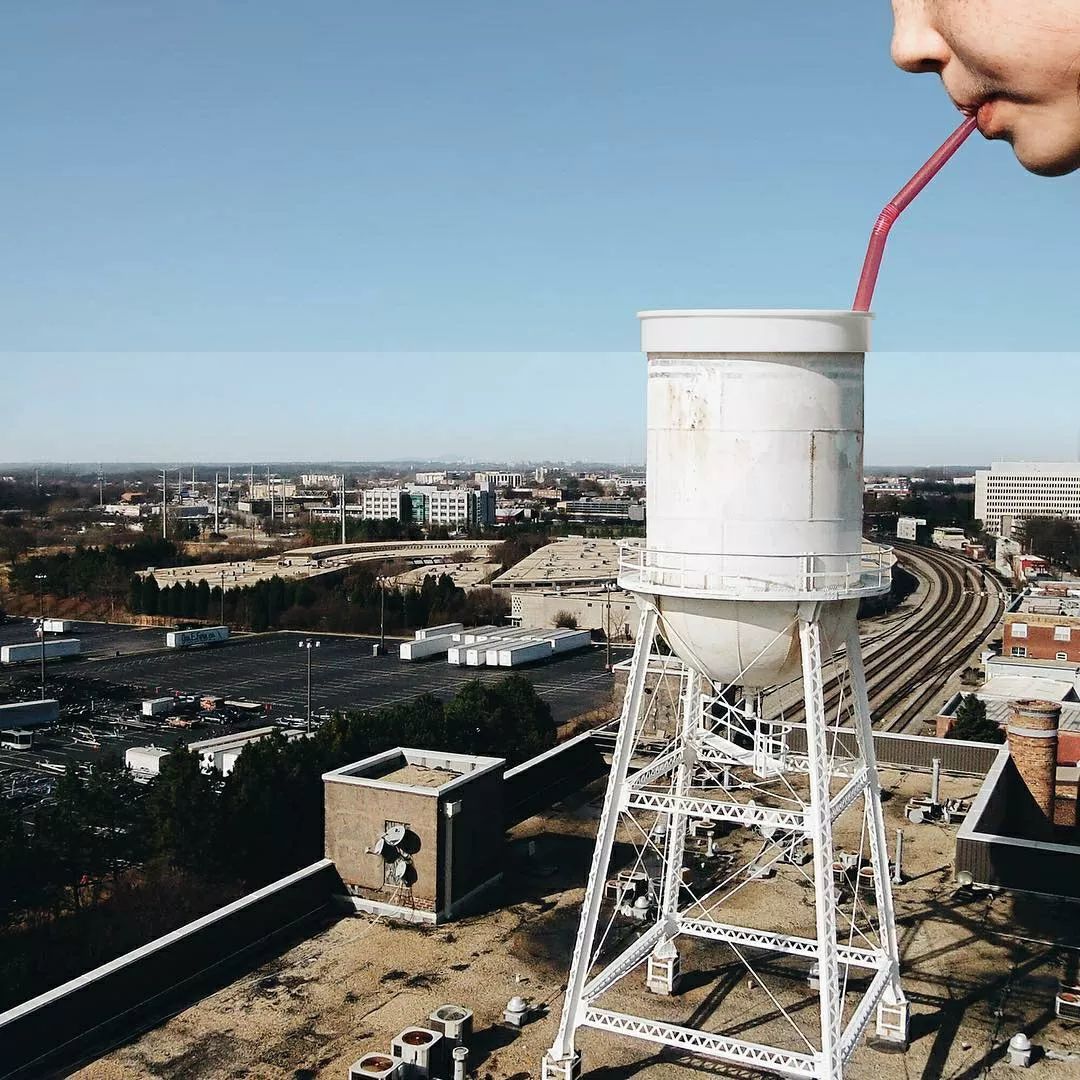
{"x": 361, "y": 230}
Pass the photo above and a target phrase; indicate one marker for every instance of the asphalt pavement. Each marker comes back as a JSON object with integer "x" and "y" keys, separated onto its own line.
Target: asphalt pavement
{"x": 272, "y": 669}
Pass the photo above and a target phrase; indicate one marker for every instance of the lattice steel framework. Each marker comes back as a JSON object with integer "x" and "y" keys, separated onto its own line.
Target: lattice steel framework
{"x": 720, "y": 763}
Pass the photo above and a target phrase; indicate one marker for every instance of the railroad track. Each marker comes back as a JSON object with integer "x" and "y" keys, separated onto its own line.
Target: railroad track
{"x": 918, "y": 657}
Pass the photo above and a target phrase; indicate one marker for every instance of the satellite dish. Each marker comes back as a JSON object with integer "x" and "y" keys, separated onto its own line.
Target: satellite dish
{"x": 916, "y": 815}
{"x": 965, "y": 879}
{"x": 399, "y": 868}
{"x": 394, "y": 835}
{"x": 377, "y": 847}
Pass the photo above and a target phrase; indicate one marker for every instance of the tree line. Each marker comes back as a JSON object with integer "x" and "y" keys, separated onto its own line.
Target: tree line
{"x": 1056, "y": 539}
{"x": 93, "y": 571}
{"x": 351, "y": 602}
{"x": 106, "y": 845}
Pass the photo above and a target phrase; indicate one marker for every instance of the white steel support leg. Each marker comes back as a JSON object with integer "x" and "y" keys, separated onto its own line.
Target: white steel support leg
{"x": 820, "y": 820}
{"x": 893, "y": 1010}
{"x": 562, "y": 1061}
{"x": 690, "y": 707}
{"x": 663, "y": 971}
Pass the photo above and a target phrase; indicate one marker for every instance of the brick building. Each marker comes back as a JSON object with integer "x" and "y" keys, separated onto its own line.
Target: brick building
{"x": 1034, "y": 635}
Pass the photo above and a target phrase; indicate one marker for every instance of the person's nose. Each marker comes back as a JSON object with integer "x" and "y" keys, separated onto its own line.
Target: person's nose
{"x": 916, "y": 44}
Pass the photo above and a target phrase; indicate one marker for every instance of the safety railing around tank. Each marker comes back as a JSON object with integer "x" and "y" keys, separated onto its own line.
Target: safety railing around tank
{"x": 767, "y": 577}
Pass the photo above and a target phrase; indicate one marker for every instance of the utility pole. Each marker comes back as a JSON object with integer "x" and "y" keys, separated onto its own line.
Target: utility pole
{"x": 40, "y": 579}
{"x": 223, "y": 596}
{"x": 308, "y": 644}
{"x": 217, "y": 500}
{"x": 269, "y": 492}
{"x": 343, "y": 507}
{"x": 100, "y": 488}
{"x": 164, "y": 488}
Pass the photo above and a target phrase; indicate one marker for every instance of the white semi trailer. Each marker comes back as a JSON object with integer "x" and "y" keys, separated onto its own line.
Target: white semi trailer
{"x": 424, "y": 648}
{"x": 27, "y": 651}
{"x": 187, "y": 639}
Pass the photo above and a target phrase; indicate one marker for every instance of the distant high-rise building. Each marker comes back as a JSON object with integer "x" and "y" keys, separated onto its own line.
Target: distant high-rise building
{"x": 1017, "y": 490}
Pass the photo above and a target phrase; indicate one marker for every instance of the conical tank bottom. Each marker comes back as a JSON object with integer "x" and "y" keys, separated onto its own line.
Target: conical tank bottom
{"x": 751, "y": 644}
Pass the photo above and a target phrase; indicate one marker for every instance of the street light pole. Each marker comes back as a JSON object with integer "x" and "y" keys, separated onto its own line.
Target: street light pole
{"x": 308, "y": 644}
{"x": 382, "y": 616}
{"x": 40, "y": 579}
{"x": 607, "y": 632}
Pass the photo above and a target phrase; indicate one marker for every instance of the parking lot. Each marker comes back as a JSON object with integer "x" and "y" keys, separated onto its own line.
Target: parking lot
{"x": 100, "y": 692}
{"x": 271, "y": 668}
{"x": 98, "y": 639}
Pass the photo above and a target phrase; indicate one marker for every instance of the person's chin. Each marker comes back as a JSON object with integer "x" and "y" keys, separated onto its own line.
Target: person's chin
{"x": 1045, "y": 155}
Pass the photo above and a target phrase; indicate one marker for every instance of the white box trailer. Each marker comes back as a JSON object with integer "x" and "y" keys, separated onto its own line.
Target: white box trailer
{"x": 467, "y": 637}
{"x": 186, "y": 639}
{"x": 491, "y": 657}
{"x": 27, "y": 714}
{"x": 566, "y": 641}
{"x": 476, "y": 654}
{"x": 57, "y": 626}
{"x": 159, "y": 706}
{"x": 439, "y": 631}
{"x": 145, "y": 761}
{"x": 31, "y": 650}
{"x": 524, "y": 652}
{"x": 425, "y": 648}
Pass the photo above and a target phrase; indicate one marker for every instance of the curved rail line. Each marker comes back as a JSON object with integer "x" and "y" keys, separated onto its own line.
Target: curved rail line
{"x": 921, "y": 654}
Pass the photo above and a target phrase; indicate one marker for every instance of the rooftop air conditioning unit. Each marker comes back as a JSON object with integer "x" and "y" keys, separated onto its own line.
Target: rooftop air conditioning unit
{"x": 454, "y": 1023}
{"x": 1067, "y": 1003}
{"x": 420, "y": 1050}
{"x": 376, "y": 1067}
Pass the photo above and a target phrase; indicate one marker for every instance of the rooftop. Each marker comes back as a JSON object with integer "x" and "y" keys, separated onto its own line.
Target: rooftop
{"x": 978, "y": 967}
{"x": 407, "y": 769}
{"x": 574, "y": 561}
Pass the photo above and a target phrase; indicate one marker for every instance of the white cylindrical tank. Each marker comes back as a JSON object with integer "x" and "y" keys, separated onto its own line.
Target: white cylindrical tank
{"x": 755, "y": 474}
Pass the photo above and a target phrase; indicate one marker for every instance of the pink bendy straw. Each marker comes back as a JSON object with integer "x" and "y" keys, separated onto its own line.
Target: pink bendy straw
{"x": 865, "y": 293}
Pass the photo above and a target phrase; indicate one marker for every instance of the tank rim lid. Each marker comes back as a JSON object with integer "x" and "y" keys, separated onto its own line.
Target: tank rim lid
{"x": 725, "y": 332}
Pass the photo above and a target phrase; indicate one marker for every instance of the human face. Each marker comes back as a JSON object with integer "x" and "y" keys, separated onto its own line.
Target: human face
{"x": 1013, "y": 63}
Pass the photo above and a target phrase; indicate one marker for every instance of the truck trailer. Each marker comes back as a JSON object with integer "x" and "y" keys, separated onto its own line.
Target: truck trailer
{"x": 424, "y": 648}
{"x": 57, "y": 626}
{"x": 29, "y": 714}
{"x": 187, "y": 639}
{"x": 27, "y": 651}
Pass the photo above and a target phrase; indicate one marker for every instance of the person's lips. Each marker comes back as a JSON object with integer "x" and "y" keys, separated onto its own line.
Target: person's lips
{"x": 985, "y": 109}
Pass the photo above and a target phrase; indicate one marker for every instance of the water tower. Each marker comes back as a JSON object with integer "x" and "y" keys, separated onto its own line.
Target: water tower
{"x": 749, "y": 581}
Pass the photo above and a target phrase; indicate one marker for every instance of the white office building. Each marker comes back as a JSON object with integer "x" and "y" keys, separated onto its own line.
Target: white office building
{"x": 383, "y": 503}
{"x": 1011, "y": 491}
{"x": 501, "y": 479}
{"x": 451, "y": 507}
{"x": 432, "y": 477}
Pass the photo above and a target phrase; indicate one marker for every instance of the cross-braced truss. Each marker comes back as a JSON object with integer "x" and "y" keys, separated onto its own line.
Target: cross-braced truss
{"x": 731, "y": 817}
